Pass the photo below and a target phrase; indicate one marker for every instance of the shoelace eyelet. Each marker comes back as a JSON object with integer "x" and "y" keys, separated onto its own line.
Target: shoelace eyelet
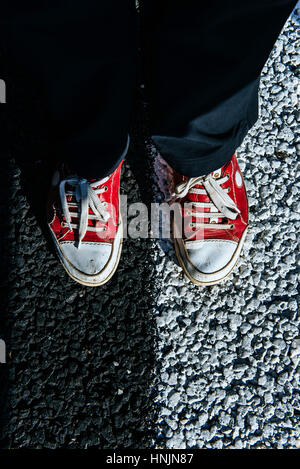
{"x": 105, "y": 188}
{"x": 228, "y": 189}
{"x": 216, "y": 176}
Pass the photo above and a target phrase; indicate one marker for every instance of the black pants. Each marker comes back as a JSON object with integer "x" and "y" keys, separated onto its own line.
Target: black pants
{"x": 202, "y": 62}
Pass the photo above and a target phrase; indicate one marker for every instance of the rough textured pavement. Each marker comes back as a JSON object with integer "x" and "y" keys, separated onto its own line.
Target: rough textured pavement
{"x": 150, "y": 359}
{"x": 228, "y": 355}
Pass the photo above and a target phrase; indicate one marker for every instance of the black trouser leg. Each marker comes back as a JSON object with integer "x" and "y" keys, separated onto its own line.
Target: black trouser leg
{"x": 83, "y": 56}
{"x": 203, "y": 64}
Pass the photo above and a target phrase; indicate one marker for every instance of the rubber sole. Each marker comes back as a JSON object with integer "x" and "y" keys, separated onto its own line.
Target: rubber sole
{"x": 81, "y": 282}
{"x": 214, "y": 282}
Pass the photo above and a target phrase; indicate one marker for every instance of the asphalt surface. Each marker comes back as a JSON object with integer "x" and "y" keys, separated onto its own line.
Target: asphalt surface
{"x": 229, "y": 355}
{"x": 149, "y": 359}
{"x": 80, "y": 361}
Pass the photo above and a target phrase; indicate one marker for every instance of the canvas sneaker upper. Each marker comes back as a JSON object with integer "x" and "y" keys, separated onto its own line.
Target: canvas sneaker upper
{"x": 214, "y": 218}
{"x": 85, "y": 223}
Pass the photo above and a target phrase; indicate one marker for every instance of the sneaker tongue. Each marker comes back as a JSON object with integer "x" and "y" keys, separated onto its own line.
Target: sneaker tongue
{"x": 99, "y": 180}
{"x": 94, "y": 179}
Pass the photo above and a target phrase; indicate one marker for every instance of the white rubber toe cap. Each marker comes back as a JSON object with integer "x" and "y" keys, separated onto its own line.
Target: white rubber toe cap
{"x": 90, "y": 258}
{"x": 94, "y": 263}
{"x": 210, "y": 255}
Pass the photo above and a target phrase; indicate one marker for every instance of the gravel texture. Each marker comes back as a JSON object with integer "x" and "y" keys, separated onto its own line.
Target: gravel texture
{"x": 150, "y": 359}
{"x": 228, "y": 355}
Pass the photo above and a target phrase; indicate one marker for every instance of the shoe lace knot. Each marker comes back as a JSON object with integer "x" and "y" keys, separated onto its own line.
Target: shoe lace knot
{"x": 86, "y": 195}
{"x": 220, "y": 205}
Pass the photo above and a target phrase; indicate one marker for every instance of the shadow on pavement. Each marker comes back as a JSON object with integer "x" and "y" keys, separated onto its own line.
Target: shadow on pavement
{"x": 81, "y": 368}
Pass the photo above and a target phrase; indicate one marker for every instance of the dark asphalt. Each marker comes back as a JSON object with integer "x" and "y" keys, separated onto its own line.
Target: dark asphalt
{"x": 80, "y": 361}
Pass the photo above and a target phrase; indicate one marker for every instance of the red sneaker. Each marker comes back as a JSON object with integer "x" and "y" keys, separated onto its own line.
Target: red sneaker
{"x": 214, "y": 220}
{"x": 86, "y": 226}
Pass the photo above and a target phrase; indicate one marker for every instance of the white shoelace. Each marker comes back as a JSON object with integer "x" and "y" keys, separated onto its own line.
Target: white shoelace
{"x": 87, "y": 197}
{"x": 222, "y": 206}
